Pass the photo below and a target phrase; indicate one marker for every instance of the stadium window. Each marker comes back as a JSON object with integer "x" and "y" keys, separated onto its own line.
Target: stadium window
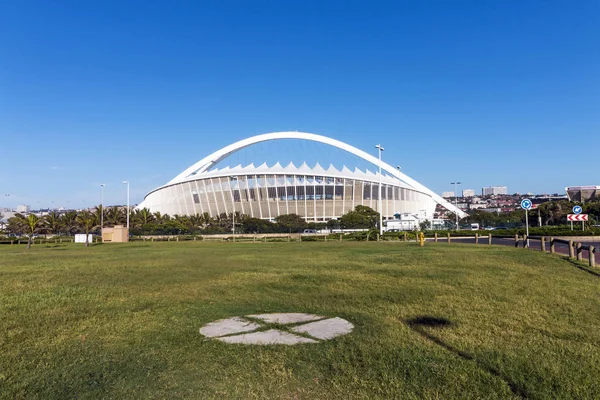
{"x": 196, "y": 197}
{"x": 329, "y": 192}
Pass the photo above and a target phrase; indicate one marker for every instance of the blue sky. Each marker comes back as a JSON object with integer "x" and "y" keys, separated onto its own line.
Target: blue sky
{"x": 485, "y": 92}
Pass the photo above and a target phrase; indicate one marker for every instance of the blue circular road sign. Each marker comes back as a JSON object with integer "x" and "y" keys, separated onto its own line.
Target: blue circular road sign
{"x": 577, "y": 210}
{"x": 526, "y": 204}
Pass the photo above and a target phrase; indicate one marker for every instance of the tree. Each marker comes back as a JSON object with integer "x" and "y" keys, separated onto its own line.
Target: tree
{"x": 52, "y": 222}
{"x": 368, "y": 212}
{"x": 142, "y": 217}
{"x": 115, "y": 216}
{"x": 16, "y": 224}
{"x": 32, "y": 225}
{"x": 362, "y": 217}
{"x": 87, "y": 221}
{"x": 100, "y": 212}
{"x": 333, "y": 224}
{"x": 291, "y": 222}
{"x": 68, "y": 221}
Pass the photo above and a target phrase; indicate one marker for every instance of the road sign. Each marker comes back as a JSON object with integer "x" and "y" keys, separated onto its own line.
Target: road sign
{"x": 577, "y": 210}
{"x": 526, "y": 204}
{"x": 577, "y": 217}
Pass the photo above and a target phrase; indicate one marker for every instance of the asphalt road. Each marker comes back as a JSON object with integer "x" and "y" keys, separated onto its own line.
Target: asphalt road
{"x": 534, "y": 244}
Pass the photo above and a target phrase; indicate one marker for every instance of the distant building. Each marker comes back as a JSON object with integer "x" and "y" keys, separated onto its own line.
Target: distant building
{"x": 23, "y": 208}
{"x": 583, "y": 193}
{"x": 447, "y": 195}
{"x": 477, "y": 206}
{"x": 468, "y": 193}
{"x": 494, "y": 190}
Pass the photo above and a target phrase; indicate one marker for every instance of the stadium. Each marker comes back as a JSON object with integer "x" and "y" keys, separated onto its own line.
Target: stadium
{"x": 315, "y": 193}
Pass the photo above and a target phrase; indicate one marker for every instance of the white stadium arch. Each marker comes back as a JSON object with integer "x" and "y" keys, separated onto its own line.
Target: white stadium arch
{"x": 181, "y": 195}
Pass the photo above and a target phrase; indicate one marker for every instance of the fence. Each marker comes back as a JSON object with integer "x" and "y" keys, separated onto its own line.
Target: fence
{"x": 575, "y": 249}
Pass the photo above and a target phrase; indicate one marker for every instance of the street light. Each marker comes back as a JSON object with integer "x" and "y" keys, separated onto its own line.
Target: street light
{"x": 380, "y": 149}
{"x": 127, "y": 183}
{"x": 102, "y": 209}
{"x": 456, "y": 201}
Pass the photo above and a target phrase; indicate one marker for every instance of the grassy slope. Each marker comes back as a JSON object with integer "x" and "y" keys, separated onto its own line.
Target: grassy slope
{"x": 121, "y": 321}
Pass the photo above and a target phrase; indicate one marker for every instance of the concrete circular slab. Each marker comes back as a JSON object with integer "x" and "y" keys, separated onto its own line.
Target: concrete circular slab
{"x": 307, "y": 328}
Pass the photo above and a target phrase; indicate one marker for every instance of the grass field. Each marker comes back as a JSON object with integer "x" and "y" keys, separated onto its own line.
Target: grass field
{"x": 443, "y": 321}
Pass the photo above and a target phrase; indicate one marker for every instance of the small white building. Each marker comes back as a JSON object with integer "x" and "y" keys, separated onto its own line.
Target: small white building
{"x": 403, "y": 222}
{"x": 22, "y": 208}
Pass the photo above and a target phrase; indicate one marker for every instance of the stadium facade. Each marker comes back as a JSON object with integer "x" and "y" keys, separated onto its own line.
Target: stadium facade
{"x": 315, "y": 193}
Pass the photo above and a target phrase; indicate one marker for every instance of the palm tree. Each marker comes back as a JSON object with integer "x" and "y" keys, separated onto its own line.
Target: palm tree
{"x": 196, "y": 221}
{"x": 87, "y": 221}
{"x": 69, "y": 221}
{"x": 32, "y": 224}
{"x": 52, "y": 222}
{"x": 99, "y": 213}
{"x": 115, "y": 216}
{"x": 206, "y": 220}
{"x": 143, "y": 216}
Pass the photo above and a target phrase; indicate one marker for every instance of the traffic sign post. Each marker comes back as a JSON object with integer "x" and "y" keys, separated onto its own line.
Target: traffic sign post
{"x": 526, "y": 205}
{"x": 578, "y": 217}
{"x": 578, "y": 210}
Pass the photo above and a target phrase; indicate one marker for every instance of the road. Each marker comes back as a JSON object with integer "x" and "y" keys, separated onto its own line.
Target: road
{"x": 534, "y": 244}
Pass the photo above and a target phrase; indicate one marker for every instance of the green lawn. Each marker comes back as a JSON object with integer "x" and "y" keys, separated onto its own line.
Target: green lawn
{"x": 444, "y": 321}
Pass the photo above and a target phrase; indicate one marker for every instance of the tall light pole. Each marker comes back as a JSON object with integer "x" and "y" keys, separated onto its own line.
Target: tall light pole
{"x": 380, "y": 149}
{"x": 127, "y": 183}
{"x": 102, "y": 209}
{"x": 456, "y": 201}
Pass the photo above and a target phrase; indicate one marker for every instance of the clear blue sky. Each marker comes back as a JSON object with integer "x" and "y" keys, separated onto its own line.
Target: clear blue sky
{"x": 485, "y": 92}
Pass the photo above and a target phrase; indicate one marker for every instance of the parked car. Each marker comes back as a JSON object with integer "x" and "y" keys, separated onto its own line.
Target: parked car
{"x": 309, "y": 232}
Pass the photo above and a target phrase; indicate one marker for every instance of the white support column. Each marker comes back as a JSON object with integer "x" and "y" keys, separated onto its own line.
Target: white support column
{"x": 231, "y": 195}
{"x": 191, "y": 195}
{"x": 268, "y": 198}
{"x": 212, "y": 184}
{"x": 277, "y": 193}
{"x": 206, "y": 195}
{"x": 184, "y": 198}
{"x": 174, "y": 195}
{"x": 223, "y": 195}
{"x": 247, "y": 193}
{"x": 387, "y": 201}
{"x": 333, "y": 198}
{"x": 199, "y": 199}
{"x": 325, "y": 196}
{"x": 257, "y": 195}
{"x": 285, "y": 188}
{"x": 315, "y": 199}
{"x": 305, "y": 201}
{"x": 344, "y": 198}
{"x": 239, "y": 188}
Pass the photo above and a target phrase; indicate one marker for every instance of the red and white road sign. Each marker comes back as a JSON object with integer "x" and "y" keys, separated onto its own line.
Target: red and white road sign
{"x": 577, "y": 217}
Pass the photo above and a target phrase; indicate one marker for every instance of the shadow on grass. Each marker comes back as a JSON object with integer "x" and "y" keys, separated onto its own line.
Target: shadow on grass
{"x": 579, "y": 266}
{"x": 421, "y": 323}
